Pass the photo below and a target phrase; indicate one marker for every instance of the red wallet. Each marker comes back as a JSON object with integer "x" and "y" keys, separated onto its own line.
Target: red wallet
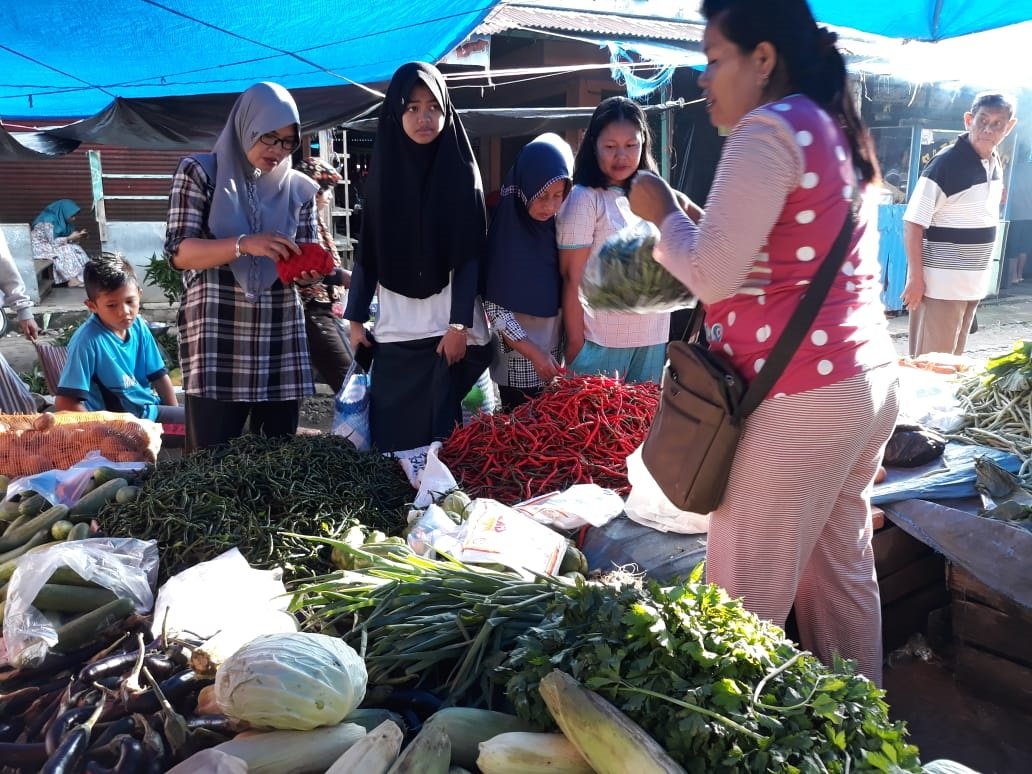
{"x": 313, "y": 257}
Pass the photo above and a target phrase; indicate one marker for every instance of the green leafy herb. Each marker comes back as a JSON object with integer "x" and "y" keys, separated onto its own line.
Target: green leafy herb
{"x": 720, "y": 689}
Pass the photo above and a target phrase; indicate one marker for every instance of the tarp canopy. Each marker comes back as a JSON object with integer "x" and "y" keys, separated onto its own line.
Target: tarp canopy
{"x": 62, "y": 59}
{"x": 163, "y": 74}
{"x": 922, "y": 19}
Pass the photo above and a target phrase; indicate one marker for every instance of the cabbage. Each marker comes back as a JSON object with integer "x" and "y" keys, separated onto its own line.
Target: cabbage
{"x": 296, "y": 681}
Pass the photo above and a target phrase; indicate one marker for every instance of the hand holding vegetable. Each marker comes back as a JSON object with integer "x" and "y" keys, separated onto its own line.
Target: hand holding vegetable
{"x": 651, "y": 198}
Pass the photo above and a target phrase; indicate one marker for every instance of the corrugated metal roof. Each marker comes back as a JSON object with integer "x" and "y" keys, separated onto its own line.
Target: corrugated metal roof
{"x": 507, "y": 17}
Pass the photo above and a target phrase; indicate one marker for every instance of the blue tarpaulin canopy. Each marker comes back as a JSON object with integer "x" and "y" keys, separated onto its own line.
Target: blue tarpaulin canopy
{"x": 922, "y": 19}
{"x": 61, "y": 59}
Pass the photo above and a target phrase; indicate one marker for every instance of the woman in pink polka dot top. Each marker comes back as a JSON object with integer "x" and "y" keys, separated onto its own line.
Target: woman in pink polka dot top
{"x": 794, "y": 529}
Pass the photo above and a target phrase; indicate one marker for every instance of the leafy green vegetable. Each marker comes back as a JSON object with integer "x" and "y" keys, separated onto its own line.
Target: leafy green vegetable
{"x": 720, "y": 689}
{"x": 625, "y": 278}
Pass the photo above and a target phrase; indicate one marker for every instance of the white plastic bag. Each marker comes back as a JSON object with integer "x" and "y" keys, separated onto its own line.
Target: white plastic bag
{"x": 434, "y": 479}
{"x": 351, "y": 409}
{"x": 218, "y": 594}
{"x": 575, "y": 507}
{"x": 433, "y": 532}
{"x": 126, "y": 566}
{"x": 648, "y": 506}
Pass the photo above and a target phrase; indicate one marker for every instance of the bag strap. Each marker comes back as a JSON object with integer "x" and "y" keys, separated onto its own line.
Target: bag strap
{"x": 801, "y": 320}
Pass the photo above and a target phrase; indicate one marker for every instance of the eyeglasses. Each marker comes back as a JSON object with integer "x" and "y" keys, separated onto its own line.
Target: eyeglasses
{"x": 289, "y": 144}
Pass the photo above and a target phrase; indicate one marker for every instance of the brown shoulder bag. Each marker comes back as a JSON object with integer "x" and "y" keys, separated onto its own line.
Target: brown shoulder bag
{"x": 704, "y": 400}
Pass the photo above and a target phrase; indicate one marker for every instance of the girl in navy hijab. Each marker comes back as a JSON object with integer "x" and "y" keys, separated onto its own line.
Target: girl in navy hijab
{"x": 522, "y": 288}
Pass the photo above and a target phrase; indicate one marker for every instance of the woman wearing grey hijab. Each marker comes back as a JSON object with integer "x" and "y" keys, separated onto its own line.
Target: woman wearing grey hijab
{"x": 233, "y": 214}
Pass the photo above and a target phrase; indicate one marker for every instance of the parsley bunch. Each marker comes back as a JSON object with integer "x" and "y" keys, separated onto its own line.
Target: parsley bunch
{"x": 719, "y": 689}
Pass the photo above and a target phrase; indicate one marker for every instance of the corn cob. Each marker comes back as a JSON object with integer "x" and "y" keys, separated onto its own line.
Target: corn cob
{"x": 428, "y": 753}
{"x": 521, "y": 752}
{"x": 467, "y": 728}
{"x": 610, "y": 741}
{"x": 372, "y": 754}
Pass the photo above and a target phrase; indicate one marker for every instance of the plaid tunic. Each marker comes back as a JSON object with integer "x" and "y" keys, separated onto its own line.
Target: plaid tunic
{"x": 232, "y": 349}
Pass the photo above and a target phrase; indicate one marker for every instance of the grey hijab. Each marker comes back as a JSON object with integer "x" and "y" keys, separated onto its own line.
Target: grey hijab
{"x": 246, "y": 201}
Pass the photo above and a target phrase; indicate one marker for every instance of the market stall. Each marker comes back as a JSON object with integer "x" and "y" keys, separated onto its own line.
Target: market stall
{"x": 299, "y": 605}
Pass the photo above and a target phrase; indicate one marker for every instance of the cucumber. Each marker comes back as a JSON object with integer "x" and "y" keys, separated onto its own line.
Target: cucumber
{"x": 61, "y": 529}
{"x": 33, "y": 506}
{"x": 18, "y": 521}
{"x": 66, "y": 576}
{"x": 89, "y": 504}
{"x": 13, "y": 538}
{"x": 71, "y": 599}
{"x": 80, "y": 531}
{"x": 9, "y": 560}
{"x": 103, "y": 474}
{"x": 10, "y": 507}
{"x": 127, "y": 494}
{"x": 88, "y": 626}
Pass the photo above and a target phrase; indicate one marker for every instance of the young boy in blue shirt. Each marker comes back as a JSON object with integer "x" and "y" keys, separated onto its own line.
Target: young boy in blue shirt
{"x": 113, "y": 360}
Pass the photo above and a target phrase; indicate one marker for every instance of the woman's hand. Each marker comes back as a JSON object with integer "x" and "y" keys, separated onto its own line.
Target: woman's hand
{"x": 358, "y": 337}
{"x": 651, "y": 198}
{"x": 545, "y": 366}
{"x": 308, "y": 278}
{"x": 77, "y": 235}
{"x": 453, "y": 346}
{"x": 274, "y": 246}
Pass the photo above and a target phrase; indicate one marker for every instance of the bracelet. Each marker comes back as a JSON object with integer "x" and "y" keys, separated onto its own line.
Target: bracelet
{"x": 236, "y": 248}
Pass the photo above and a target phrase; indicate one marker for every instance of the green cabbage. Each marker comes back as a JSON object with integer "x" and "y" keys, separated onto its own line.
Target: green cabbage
{"x": 296, "y": 681}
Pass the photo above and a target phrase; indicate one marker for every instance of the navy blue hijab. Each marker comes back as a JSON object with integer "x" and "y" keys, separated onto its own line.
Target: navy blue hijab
{"x": 522, "y": 255}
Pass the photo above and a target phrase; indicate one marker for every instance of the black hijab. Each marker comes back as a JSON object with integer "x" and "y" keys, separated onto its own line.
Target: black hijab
{"x": 424, "y": 206}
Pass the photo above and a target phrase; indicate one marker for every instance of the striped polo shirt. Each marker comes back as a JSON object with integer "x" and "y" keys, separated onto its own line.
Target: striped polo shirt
{"x": 957, "y": 201}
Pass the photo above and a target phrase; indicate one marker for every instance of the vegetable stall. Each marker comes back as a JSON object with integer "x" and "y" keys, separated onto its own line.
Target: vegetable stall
{"x": 284, "y": 606}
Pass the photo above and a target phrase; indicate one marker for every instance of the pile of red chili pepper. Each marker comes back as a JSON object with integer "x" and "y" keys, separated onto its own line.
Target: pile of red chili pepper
{"x": 579, "y": 430}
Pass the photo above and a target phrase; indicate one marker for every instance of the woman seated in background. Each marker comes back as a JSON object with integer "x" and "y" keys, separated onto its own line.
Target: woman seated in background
{"x": 522, "y": 286}
{"x": 54, "y": 239}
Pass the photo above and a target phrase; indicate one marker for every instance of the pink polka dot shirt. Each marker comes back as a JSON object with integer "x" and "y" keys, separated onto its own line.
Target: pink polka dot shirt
{"x": 782, "y": 190}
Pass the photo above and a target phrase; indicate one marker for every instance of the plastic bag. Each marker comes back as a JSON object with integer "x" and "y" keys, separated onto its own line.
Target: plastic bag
{"x": 912, "y": 445}
{"x": 214, "y": 595}
{"x": 351, "y": 409}
{"x": 434, "y": 478}
{"x": 648, "y": 506}
{"x": 126, "y": 566}
{"x": 432, "y": 532}
{"x": 497, "y": 534}
{"x": 577, "y": 506}
{"x": 67, "y": 486}
{"x": 624, "y": 277}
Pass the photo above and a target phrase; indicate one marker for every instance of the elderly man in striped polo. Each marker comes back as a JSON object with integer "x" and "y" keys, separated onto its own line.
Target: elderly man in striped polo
{"x": 949, "y": 228}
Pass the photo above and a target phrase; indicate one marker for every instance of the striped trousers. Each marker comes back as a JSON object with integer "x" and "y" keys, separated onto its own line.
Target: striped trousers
{"x": 795, "y": 523}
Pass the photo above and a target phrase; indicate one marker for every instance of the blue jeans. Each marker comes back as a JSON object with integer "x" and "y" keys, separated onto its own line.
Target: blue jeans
{"x": 632, "y": 364}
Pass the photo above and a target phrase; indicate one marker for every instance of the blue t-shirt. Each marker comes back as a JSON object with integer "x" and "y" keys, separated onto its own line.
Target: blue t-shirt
{"x": 100, "y": 363}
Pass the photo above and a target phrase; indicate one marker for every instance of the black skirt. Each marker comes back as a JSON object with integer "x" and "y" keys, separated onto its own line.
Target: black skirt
{"x": 415, "y": 397}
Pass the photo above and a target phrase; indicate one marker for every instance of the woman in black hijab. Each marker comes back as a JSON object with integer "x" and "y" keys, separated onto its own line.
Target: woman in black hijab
{"x": 423, "y": 240}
